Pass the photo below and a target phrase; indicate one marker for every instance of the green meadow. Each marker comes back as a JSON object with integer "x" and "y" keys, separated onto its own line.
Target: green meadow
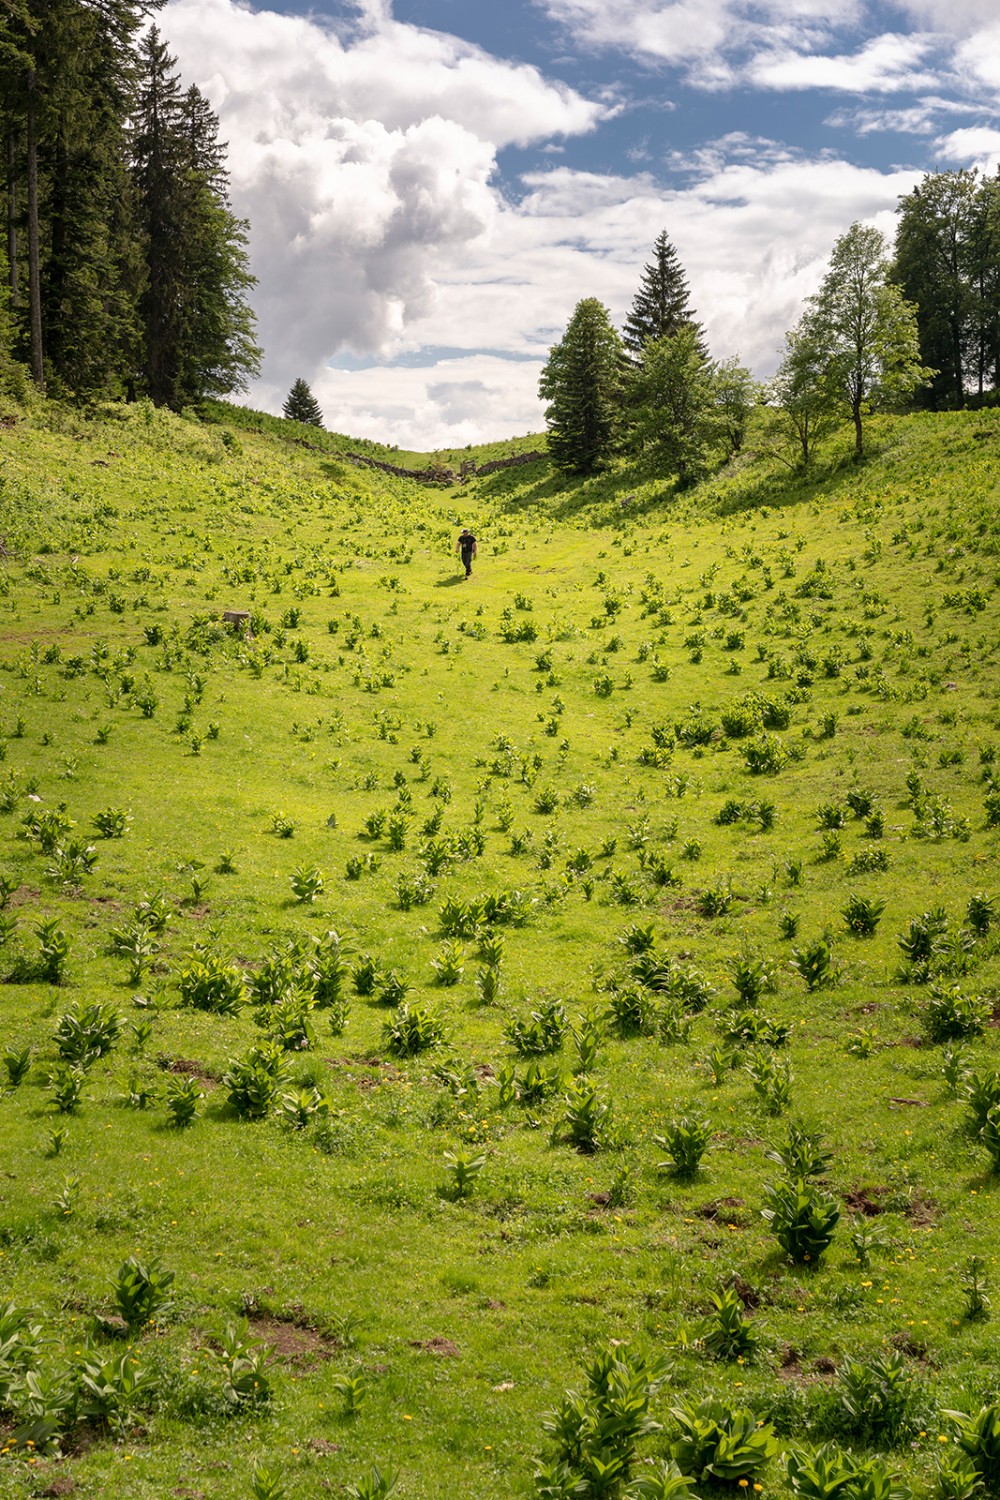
{"x": 402, "y": 994}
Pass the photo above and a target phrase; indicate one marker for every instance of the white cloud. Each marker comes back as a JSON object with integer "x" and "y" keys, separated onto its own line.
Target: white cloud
{"x": 977, "y": 145}
{"x": 712, "y": 36}
{"x": 366, "y": 163}
{"x": 885, "y": 64}
{"x": 456, "y": 401}
{"x": 364, "y": 166}
{"x": 979, "y": 59}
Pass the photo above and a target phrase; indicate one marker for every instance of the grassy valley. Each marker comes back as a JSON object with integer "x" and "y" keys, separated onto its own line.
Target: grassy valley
{"x": 377, "y": 973}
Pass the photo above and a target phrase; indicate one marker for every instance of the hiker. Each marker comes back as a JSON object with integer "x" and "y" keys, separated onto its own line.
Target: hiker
{"x": 466, "y": 547}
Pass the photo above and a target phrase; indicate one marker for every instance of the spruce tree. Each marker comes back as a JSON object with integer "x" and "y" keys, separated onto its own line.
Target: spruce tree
{"x": 661, "y": 306}
{"x": 301, "y": 405}
{"x": 672, "y": 405}
{"x": 198, "y": 326}
{"x": 582, "y": 385}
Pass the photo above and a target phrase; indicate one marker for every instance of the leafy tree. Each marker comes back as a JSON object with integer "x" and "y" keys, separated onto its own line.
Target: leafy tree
{"x": 941, "y": 265}
{"x": 862, "y": 332}
{"x": 735, "y": 395}
{"x": 661, "y": 306}
{"x": 671, "y": 403}
{"x": 581, "y": 383}
{"x": 800, "y": 397}
{"x": 301, "y": 405}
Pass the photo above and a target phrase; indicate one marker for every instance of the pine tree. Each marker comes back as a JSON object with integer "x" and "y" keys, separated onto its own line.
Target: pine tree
{"x": 661, "y": 306}
{"x": 582, "y": 384}
{"x": 301, "y": 405}
{"x": 198, "y": 326}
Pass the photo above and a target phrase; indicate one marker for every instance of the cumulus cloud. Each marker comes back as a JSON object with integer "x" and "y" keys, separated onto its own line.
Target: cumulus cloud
{"x": 364, "y": 165}
{"x": 416, "y": 297}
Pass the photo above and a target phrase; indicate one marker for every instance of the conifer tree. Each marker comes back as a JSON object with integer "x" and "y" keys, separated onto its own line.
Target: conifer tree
{"x": 198, "y": 326}
{"x": 661, "y": 306}
{"x": 301, "y": 405}
{"x": 581, "y": 383}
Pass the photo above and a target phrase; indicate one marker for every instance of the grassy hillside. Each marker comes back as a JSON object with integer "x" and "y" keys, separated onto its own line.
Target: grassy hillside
{"x": 628, "y": 780}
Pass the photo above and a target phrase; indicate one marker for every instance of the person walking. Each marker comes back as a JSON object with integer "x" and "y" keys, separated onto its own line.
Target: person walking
{"x": 466, "y": 549}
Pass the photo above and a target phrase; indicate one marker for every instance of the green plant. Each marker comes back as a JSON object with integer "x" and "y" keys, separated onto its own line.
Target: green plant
{"x": 721, "y": 1444}
{"x": 772, "y": 1079}
{"x": 801, "y": 1217}
{"x": 181, "y": 1099}
{"x": 814, "y": 965}
{"x": 266, "y": 1482}
{"x": 802, "y": 1155}
{"x": 54, "y": 951}
{"x": 354, "y": 1389}
{"x": 462, "y": 1169}
{"x": 686, "y": 1140}
{"x": 142, "y": 1291}
{"x": 876, "y": 1396}
{"x": 412, "y": 1029}
{"x": 17, "y": 1064}
{"x": 752, "y": 978}
{"x": 975, "y": 1290}
{"x": 253, "y": 1082}
{"x": 978, "y": 1436}
{"x": 82, "y": 1035}
{"x": 981, "y": 1092}
{"x": 726, "y": 1333}
{"x": 307, "y": 884}
{"x": 543, "y": 1032}
{"x": 244, "y": 1360}
{"x": 981, "y": 913}
{"x": 68, "y": 1196}
{"x": 948, "y": 1014}
{"x": 449, "y": 964}
{"x": 66, "y": 1083}
{"x": 112, "y": 822}
{"x": 209, "y": 983}
{"x": 375, "y": 1486}
{"x": 109, "y": 1389}
{"x": 862, "y": 915}
{"x": 595, "y": 1431}
{"x": 586, "y": 1122}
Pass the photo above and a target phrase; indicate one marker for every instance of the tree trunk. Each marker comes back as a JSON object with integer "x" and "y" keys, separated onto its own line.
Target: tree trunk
{"x": 34, "y": 258}
{"x": 12, "y": 219}
{"x": 859, "y": 445}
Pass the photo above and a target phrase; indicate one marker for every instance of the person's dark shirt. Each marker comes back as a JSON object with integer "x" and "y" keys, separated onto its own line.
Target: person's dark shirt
{"x": 467, "y": 543}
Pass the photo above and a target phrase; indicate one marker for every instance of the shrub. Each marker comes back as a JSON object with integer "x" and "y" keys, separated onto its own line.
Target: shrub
{"x": 254, "y": 1081}
{"x": 142, "y": 1291}
{"x": 82, "y": 1035}
{"x": 586, "y": 1122}
{"x": 948, "y": 1014}
{"x": 686, "y": 1140}
{"x": 720, "y": 1443}
{"x": 801, "y": 1217}
{"x": 862, "y": 915}
{"x": 814, "y": 965}
{"x": 978, "y": 1436}
{"x": 726, "y": 1334}
{"x": 412, "y": 1029}
{"x": 209, "y": 983}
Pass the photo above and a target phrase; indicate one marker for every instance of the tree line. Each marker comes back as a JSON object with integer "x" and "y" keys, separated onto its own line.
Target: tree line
{"x": 920, "y": 325}
{"x": 123, "y": 270}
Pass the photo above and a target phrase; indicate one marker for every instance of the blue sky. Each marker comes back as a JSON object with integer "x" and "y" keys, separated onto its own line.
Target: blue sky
{"x": 432, "y": 185}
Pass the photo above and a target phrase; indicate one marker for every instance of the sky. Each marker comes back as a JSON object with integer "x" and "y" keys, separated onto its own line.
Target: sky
{"x": 433, "y": 185}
